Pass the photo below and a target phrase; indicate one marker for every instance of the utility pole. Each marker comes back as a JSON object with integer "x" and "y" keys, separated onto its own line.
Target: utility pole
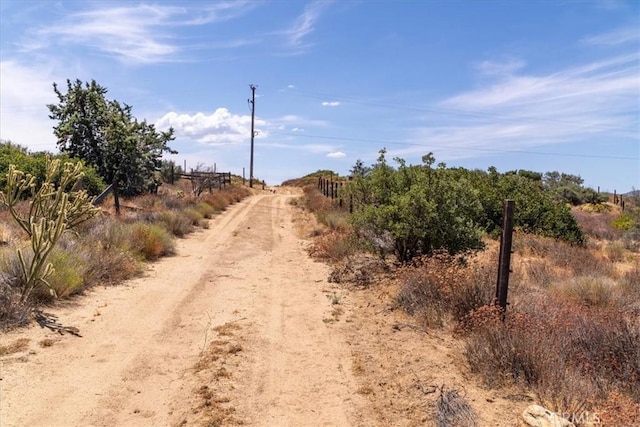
{"x": 252, "y": 102}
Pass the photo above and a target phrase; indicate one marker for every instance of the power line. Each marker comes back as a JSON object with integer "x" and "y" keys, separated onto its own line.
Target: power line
{"x": 493, "y": 150}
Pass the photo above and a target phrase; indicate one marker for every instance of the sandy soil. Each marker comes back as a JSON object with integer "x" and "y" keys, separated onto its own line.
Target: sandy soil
{"x": 240, "y": 327}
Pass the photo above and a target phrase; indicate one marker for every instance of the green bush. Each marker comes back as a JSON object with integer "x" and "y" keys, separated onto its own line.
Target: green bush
{"x": 424, "y": 209}
{"x": 624, "y": 222}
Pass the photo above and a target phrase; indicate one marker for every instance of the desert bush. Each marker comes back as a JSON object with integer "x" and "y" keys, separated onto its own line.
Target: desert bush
{"x": 337, "y": 220}
{"x": 14, "y": 311}
{"x": 631, "y": 240}
{"x": 630, "y": 283}
{"x": 597, "y": 225}
{"x": 175, "y": 222}
{"x": 566, "y": 259}
{"x": 453, "y": 410}
{"x": 315, "y": 201}
{"x": 568, "y": 353}
{"x": 592, "y": 291}
{"x": 216, "y": 201}
{"x": 424, "y": 209}
{"x": 619, "y": 409}
{"x": 69, "y": 272}
{"x": 623, "y": 222}
{"x": 107, "y": 248}
{"x": 172, "y": 202}
{"x": 194, "y": 216}
{"x": 335, "y": 245}
{"x": 150, "y": 241}
{"x": 615, "y": 251}
{"x": 445, "y": 286}
{"x": 206, "y": 210}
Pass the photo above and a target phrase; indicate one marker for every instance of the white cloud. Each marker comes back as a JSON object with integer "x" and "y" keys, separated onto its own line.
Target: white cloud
{"x": 297, "y": 130}
{"x": 220, "y": 127}
{"x": 330, "y": 103}
{"x": 137, "y": 34}
{"x": 24, "y": 94}
{"x": 291, "y": 87}
{"x": 336, "y": 155}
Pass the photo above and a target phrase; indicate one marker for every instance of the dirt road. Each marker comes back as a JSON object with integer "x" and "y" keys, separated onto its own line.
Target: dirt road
{"x": 237, "y": 320}
{"x": 239, "y": 328}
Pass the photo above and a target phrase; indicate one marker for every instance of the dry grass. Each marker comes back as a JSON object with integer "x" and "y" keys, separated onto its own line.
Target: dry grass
{"x": 453, "y": 410}
{"x": 214, "y": 407}
{"x": 571, "y": 332}
{"x": 443, "y": 287}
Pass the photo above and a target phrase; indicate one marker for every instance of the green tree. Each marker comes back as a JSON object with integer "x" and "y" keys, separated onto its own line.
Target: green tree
{"x": 568, "y": 188}
{"x": 422, "y": 209}
{"x": 53, "y": 208}
{"x": 125, "y": 152}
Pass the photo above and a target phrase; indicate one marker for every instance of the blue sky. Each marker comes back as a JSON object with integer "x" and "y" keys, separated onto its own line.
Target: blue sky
{"x": 539, "y": 85}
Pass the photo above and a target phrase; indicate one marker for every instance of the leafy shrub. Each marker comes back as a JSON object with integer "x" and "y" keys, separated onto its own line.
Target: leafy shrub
{"x": 423, "y": 209}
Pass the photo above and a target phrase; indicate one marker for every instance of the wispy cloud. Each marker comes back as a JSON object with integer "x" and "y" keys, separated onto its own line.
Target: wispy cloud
{"x": 500, "y": 68}
{"x": 219, "y": 127}
{"x": 520, "y": 110}
{"x": 138, "y": 34}
{"x": 330, "y": 103}
{"x": 297, "y": 121}
{"x": 303, "y": 26}
{"x": 621, "y": 36}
